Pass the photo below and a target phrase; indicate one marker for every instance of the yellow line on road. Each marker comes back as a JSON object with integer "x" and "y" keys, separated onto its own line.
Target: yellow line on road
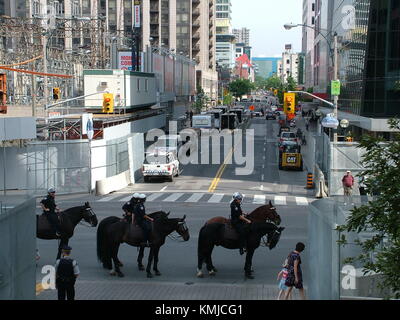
{"x": 220, "y": 171}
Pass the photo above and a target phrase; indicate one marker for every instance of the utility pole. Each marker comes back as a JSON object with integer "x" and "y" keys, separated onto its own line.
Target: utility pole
{"x": 335, "y": 77}
{"x": 136, "y": 36}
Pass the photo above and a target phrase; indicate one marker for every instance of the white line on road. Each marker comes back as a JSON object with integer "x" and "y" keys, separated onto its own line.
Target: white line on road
{"x": 195, "y": 197}
{"x": 125, "y": 198}
{"x": 173, "y": 197}
{"x": 154, "y": 196}
{"x": 163, "y": 189}
{"x": 280, "y": 200}
{"x": 216, "y": 198}
{"x": 259, "y": 199}
{"x": 262, "y": 177}
{"x": 301, "y": 201}
{"x": 110, "y": 197}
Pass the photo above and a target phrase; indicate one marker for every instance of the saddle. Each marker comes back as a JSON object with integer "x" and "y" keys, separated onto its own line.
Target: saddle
{"x": 44, "y": 223}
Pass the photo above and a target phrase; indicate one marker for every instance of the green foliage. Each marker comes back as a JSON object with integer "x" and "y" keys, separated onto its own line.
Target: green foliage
{"x": 201, "y": 100}
{"x": 240, "y": 87}
{"x": 382, "y": 215}
{"x": 228, "y": 100}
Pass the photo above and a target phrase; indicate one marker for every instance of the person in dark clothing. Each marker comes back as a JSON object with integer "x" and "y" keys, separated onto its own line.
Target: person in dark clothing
{"x": 51, "y": 210}
{"x": 67, "y": 271}
{"x": 129, "y": 207}
{"x": 143, "y": 220}
{"x": 238, "y": 220}
{"x": 295, "y": 275}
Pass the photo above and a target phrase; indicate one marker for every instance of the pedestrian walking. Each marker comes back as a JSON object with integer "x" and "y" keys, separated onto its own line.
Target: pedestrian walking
{"x": 67, "y": 271}
{"x": 282, "y": 276}
{"x": 348, "y": 183}
{"x": 307, "y": 124}
{"x": 295, "y": 275}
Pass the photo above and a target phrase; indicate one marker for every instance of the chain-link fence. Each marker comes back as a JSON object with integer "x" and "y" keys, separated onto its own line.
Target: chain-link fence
{"x": 17, "y": 251}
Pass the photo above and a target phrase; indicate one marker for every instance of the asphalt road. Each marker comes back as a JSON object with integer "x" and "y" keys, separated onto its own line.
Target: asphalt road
{"x": 178, "y": 260}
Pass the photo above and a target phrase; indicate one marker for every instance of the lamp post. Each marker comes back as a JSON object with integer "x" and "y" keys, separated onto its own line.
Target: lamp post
{"x": 289, "y": 26}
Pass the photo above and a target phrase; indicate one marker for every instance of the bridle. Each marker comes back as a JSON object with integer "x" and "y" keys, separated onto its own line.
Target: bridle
{"x": 91, "y": 214}
{"x": 178, "y": 237}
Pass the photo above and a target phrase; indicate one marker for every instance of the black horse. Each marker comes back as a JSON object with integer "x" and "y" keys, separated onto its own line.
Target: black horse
{"x": 113, "y": 231}
{"x": 68, "y": 221}
{"x": 222, "y": 234}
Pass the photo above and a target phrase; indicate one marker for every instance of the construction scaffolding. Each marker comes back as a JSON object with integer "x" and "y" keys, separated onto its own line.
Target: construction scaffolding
{"x": 72, "y": 45}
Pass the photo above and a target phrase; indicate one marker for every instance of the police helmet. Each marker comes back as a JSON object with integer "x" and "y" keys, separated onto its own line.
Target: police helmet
{"x": 51, "y": 190}
{"x": 237, "y": 196}
{"x": 136, "y": 195}
{"x": 142, "y": 197}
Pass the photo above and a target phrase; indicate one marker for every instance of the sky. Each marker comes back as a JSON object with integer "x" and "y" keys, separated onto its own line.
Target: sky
{"x": 265, "y": 19}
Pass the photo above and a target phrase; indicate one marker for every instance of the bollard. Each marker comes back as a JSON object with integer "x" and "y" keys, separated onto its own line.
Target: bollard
{"x": 310, "y": 184}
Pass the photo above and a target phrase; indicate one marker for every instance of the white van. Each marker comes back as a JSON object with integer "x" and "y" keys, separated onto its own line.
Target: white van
{"x": 205, "y": 121}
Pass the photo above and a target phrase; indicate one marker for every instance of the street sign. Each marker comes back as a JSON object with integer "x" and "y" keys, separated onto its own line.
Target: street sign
{"x": 335, "y": 87}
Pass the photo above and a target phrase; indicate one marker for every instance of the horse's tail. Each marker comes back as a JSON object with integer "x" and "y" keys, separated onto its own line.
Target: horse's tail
{"x": 103, "y": 245}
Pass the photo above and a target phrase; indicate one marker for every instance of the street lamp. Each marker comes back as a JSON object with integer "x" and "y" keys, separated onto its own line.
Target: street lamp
{"x": 289, "y": 26}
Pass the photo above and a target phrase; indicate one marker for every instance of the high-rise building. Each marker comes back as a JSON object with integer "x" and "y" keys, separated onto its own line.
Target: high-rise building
{"x": 242, "y": 36}
{"x": 290, "y": 64}
{"x": 308, "y": 41}
{"x": 225, "y": 39}
{"x": 369, "y": 60}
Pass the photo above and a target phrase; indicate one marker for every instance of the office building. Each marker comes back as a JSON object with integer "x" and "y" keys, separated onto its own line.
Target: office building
{"x": 308, "y": 36}
{"x": 267, "y": 67}
{"x": 242, "y": 36}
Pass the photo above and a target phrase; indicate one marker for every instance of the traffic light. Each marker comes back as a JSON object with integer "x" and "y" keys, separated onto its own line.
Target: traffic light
{"x": 108, "y": 103}
{"x": 275, "y": 92}
{"x": 289, "y": 103}
{"x": 56, "y": 93}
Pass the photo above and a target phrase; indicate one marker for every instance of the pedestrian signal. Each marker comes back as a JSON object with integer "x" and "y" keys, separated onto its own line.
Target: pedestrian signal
{"x": 56, "y": 93}
{"x": 108, "y": 103}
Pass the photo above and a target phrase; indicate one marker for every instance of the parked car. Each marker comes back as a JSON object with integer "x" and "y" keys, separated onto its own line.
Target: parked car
{"x": 288, "y": 136}
{"x": 160, "y": 164}
{"x": 270, "y": 116}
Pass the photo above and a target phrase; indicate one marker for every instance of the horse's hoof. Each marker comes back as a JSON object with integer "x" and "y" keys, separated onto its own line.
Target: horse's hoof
{"x": 249, "y": 276}
{"x": 120, "y": 274}
{"x": 141, "y": 268}
{"x": 215, "y": 269}
{"x": 200, "y": 274}
{"x": 211, "y": 273}
{"x": 157, "y": 273}
{"x": 113, "y": 273}
{"x": 149, "y": 275}
{"x": 120, "y": 264}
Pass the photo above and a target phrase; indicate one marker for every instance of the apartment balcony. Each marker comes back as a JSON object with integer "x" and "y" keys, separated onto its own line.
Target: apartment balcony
{"x": 196, "y": 12}
{"x": 154, "y": 33}
{"x": 211, "y": 3}
{"x": 196, "y": 36}
{"x": 211, "y": 65}
{"x": 211, "y": 34}
{"x": 196, "y": 48}
{"x": 195, "y": 2}
{"x": 211, "y": 24}
{"x": 196, "y": 24}
{"x": 154, "y": 9}
{"x": 197, "y": 59}
{"x": 154, "y": 20}
{"x": 211, "y": 13}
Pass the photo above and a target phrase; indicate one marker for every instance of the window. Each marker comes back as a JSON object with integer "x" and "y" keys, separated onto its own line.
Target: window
{"x": 138, "y": 85}
{"x": 146, "y": 85}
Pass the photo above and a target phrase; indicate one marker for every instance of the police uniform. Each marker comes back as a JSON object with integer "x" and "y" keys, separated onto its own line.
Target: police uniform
{"x": 237, "y": 224}
{"x": 139, "y": 212}
{"x": 66, "y": 272}
{"x": 130, "y": 207}
{"x": 49, "y": 203}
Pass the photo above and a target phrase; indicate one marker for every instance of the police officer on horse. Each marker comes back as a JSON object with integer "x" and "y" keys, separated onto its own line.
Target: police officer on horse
{"x": 143, "y": 220}
{"x": 67, "y": 271}
{"x": 129, "y": 207}
{"x": 51, "y": 210}
{"x": 238, "y": 220}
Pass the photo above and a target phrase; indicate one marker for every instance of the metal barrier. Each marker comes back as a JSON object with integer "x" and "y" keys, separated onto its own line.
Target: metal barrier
{"x": 17, "y": 251}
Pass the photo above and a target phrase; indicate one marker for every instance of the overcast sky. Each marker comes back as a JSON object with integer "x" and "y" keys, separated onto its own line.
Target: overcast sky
{"x": 265, "y": 19}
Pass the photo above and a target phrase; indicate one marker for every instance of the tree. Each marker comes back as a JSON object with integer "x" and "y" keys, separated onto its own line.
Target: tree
{"x": 274, "y": 82}
{"x": 201, "y": 100}
{"x": 228, "y": 100}
{"x": 382, "y": 215}
{"x": 240, "y": 87}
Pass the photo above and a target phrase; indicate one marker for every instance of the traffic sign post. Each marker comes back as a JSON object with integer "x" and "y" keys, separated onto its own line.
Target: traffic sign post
{"x": 335, "y": 88}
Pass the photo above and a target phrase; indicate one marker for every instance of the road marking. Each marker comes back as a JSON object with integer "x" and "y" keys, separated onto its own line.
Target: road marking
{"x": 154, "y": 196}
{"x": 217, "y": 197}
{"x": 125, "y": 198}
{"x": 195, "y": 197}
{"x": 280, "y": 200}
{"x": 262, "y": 177}
{"x": 173, "y": 197}
{"x": 220, "y": 171}
{"x": 259, "y": 199}
{"x": 301, "y": 201}
{"x": 110, "y": 197}
{"x": 163, "y": 189}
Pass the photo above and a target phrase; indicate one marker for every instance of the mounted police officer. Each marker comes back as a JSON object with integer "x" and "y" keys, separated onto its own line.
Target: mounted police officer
{"x": 67, "y": 271}
{"x": 238, "y": 220}
{"x": 143, "y": 220}
{"x": 129, "y": 207}
{"x": 51, "y": 210}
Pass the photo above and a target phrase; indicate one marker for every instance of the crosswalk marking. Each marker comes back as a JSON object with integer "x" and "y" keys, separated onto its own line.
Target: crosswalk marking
{"x": 195, "y": 197}
{"x": 154, "y": 196}
{"x": 173, "y": 197}
{"x": 280, "y": 200}
{"x": 110, "y": 197}
{"x": 217, "y": 197}
{"x": 301, "y": 201}
{"x": 125, "y": 199}
{"x": 259, "y": 199}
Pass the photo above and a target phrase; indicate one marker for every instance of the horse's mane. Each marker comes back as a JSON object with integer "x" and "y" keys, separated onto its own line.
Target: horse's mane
{"x": 158, "y": 215}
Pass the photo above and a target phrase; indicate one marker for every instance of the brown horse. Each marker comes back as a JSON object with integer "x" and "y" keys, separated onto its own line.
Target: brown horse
{"x": 265, "y": 213}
